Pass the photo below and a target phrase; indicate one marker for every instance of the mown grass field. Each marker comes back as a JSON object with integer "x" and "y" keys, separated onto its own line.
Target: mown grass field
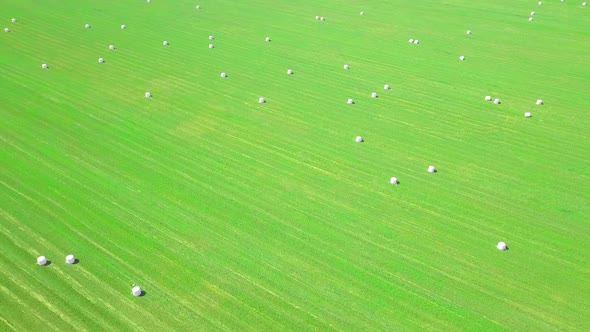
{"x": 234, "y": 215}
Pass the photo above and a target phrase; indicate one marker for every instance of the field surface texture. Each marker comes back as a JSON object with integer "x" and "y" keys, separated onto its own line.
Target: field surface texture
{"x": 237, "y": 215}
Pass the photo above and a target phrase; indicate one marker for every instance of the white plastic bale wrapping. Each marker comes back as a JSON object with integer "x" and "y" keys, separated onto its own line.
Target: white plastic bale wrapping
{"x": 87, "y": 26}
{"x": 411, "y": 40}
{"x": 386, "y": 87}
{"x": 358, "y": 139}
{"x": 431, "y": 169}
{"x": 211, "y": 46}
{"x": 349, "y": 101}
{"x": 70, "y": 259}
{"x": 123, "y": 26}
{"x": 100, "y": 60}
{"x": 488, "y": 98}
{"x": 44, "y": 66}
{"x": 223, "y": 75}
{"x": 393, "y": 180}
{"x": 539, "y": 102}
{"x": 261, "y": 100}
{"x": 374, "y": 95}
{"x": 13, "y": 20}
{"x": 136, "y": 291}
{"x": 462, "y": 57}
{"x": 346, "y": 67}
{"x": 211, "y": 38}
{"x": 289, "y": 72}
{"x": 527, "y": 115}
{"x": 6, "y": 30}
{"x": 497, "y": 101}
{"x": 501, "y": 246}
{"x": 416, "y": 42}
{"x": 111, "y": 47}
{"x": 148, "y": 95}
{"x": 41, "y": 260}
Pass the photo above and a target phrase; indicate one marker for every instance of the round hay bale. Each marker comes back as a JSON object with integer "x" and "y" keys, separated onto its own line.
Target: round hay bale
{"x": 261, "y": 100}
{"x": 532, "y": 13}
{"x": 346, "y": 67}
{"x": 136, "y": 291}
{"x": 488, "y": 98}
{"x": 462, "y": 58}
{"x": 267, "y": 39}
{"x": 527, "y": 115}
{"x": 211, "y": 38}
{"x": 100, "y": 60}
{"x": 41, "y": 260}
{"x": 530, "y": 19}
{"x": 411, "y": 41}
{"x": 70, "y": 259}
{"x": 501, "y": 246}
{"x": 386, "y": 87}
{"x": 539, "y": 102}
{"x": 123, "y": 26}
{"x": 44, "y": 66}
{"x": 165, "y": 43}
{"x": 148, "y": 95}
{"x": 317, "y": 17}
{"x": 211, "y": 46}
{"x": 416, "y": 42}
{"x": 431, "y": 169}
{"x": 394, "y": 181}
{"x": 374, "y": 95}
{"x": 358, "y": 139}
{"x": 362, "y": 13}
{"x": 197, "y": 7}
{"x": 112, "y": 47}
{"x": 468, "y": 32}
{"x": 540, "y": 3}
{"x": 148, "y": 1}
{"x": 87, "y": 26}
{"x": 322, "y": 18}
{"x": 584, "y": 3}
{"x": 350, "y": 101}
{"x": 497, "y": 101}
{"x": 223, "y": 75}
{"x": 289, "y": 72}
{"x": 13, "y": 20}
{"x": 6, "y": 30}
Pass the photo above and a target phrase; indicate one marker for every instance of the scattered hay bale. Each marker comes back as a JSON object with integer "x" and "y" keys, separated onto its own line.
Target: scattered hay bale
{"x": 540, "y": 3}
{"x": 411, "y": 41}
{"x": 322, "y": 18}
{"x": 532, "y": 13}
{"x": 462, "y": 58}
{"x": 394, "y": 181}
{"x": 358, "y": 139}
{"x": 317, "y": 17}
{"x": 497, "y": 101}
{"x": 416, "y": 42}
{"x": 41, "y": 260}
{"x": 350, "y": 101}
{"x": 374, "y": 95}
{"x": 44, "y": 66}
{"x": 501, "y": 246}
{"x": 289, "y": 72}
{"x": 267, "y": 39}
{"x": 165, "y": 43}
{"x": 530, "y": 19}
{"x": 136, "y": 291}
{"x": 386, "y": 87}
{"x": 539, "y": 102}
{"x": 346, "y": 67}
{"x": 468, "y": 32}
{"x": 6, "y": 30}
{"x": 431, "y": 169}
{"x": 112, "y": 47}
{"x": 87, "y": 26}
{"x": 70, "y": 259}
{"x": 211, "y": 38}
{"x": 261, "y": 100}
{"x": 488, "y": 98}
{"x": 527, "y": 115}
{"x": 148, "y": 95}
{"x": 100, "y": 60}
{"x": 13, "y": 20}
{"x": 362, "y": 13}
{"x": 123, "y": 26}
{"x": 223, "y": 75}
{"x": 211, "y": 46}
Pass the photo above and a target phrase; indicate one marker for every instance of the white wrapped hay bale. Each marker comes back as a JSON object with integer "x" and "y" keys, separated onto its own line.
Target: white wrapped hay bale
{"x": 462, "y": 57}
{"x": 6, "y": 30}
{"x": 223, "y": 75}
{"x": 13, "y": 20}
{"x": 468, "y": 32}
{"x": 394, "y": 181}
{"x": 136, "y": 291}
{"x": 87, "y": 26}
{"x": 148, "y": 95}
{"x": 416, "y": 42}
{"x": 41, "y": 260}
{"x": 411, "y": 41}
{"x": 211, "y": 46}
{"x": 123, "y": 26}
{"x": 527, "y": 115}
{"x": 497, "y": 101}
{"x": 211, "y": 38}
{"x": 165, "y": 43}
{"x": 431, "y": 169}
{"x": 346, "y": 67}
{"x": 322, "y": 18}
{"x": 197, "y": 7}
{"x": 374, "y": 95}
{"x": 501, "y": 245}
{"x": 112, "y": 47}
{"x": 530, "y": 19}
{"x": 267, "y": 39}
{"x": 539, "y": 102}
{"x": 317, "y": 17}
{"x": 261, "y": 100}
{"x": 358, "y": 139}
{"x": 488, "y": 98}
{"x": 70, "y": 259}
{"x": 100, "y": 60}
{"x": 289, "y": 72}
{"x": 540, "y": 3}
{"x": 532, "y": 13}
{"x": 362, "y": 13}
{"x": 44, "y": 66}
{"x": 386, "y": 87}
{"x": 350, "y": 101}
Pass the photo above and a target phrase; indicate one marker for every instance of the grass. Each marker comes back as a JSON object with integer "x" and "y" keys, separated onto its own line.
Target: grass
{"x": 243, "y": 216}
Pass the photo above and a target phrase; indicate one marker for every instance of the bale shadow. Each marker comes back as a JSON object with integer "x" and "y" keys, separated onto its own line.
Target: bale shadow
{"x": 47, "y": 264}
{"x": 76, "y": 261}
{"x": 142, "y": 294}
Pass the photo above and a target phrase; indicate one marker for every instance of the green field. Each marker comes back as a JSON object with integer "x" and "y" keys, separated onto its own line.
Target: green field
{"x": 235, "y": 215}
